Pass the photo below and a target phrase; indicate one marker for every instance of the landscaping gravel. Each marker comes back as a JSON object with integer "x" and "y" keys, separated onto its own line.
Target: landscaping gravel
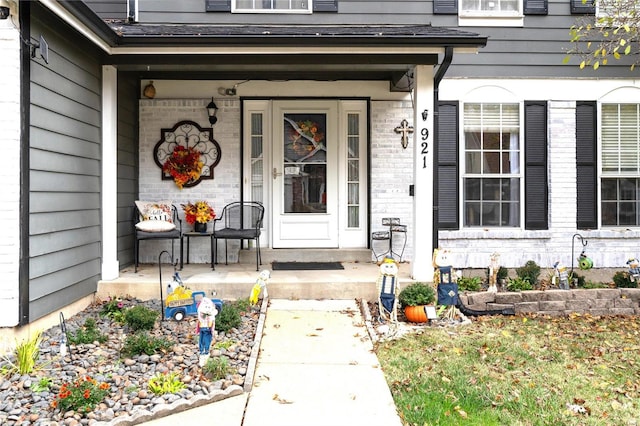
{"x": 25, "y": 401}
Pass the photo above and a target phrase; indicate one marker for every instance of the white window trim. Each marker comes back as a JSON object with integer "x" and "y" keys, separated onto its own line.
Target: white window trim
{"x": 487, "y": 18}
{"x": 464, "y": 175}
{"x": 619, "y": 98}
{"x": 307, "y": 11}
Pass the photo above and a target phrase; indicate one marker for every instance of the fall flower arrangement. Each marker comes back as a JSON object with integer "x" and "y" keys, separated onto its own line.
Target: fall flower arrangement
{"x": 183, "y": 165}
{"x": 200, "y": 212}
{"x": 82, "y": 395}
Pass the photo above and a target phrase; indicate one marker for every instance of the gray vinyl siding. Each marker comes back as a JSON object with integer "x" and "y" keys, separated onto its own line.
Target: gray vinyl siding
{"x": 109, "y": 9}
{"x": 127, "y": 164}
{"x": 535, "y": 50}
{"x": 65, "y": 151}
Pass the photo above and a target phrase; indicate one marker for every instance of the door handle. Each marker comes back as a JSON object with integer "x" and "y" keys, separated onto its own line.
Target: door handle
{"x": 275, "y": 173}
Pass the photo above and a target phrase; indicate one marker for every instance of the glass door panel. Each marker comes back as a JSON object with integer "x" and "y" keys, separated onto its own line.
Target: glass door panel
{"x": 305, "y": 163}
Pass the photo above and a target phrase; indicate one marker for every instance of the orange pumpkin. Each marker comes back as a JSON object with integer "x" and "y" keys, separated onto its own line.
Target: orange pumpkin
{"x": 415, "y": 313}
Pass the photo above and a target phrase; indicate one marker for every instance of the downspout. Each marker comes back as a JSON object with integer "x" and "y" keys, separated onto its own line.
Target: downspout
{"x": 25, "y": 162}
{"x": 442, "y": 69}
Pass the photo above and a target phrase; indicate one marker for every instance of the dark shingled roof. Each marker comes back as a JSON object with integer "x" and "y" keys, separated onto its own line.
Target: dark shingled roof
{"x": 150, "y": 34}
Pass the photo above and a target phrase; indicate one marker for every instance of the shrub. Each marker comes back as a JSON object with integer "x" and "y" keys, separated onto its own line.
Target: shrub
{"x": 228, "y": 318}
{"x": 161, "y": 384}
{"x": 140, "y": 318}
{"x": 530, "y": 272}
{"x": 243, "y": 305}
{"x": 114, "y": 309}
{"x": 417, "y": 294}
{"x": 142, "y": 343}
{"x": 503, "y": 273}
{"x": 519, "y": 284}
{"x": 469, "y": 283}
{"x": 622, "y": 280}
{"x": 82, "y": 395}
{"x": 217, "y": 368}
{"x": 87, "y": 334}
{"x": 43, "y": 385}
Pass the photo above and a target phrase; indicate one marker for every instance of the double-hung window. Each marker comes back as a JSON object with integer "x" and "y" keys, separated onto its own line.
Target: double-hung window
{"x": 620, "y": 175}
{"x": 492, "y": 170}
{"x": 278, "y": 6}
{"x": 491, "y": 8}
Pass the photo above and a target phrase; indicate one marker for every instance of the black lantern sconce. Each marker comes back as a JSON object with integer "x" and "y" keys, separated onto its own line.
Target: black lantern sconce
{"x": 212, "y": 110}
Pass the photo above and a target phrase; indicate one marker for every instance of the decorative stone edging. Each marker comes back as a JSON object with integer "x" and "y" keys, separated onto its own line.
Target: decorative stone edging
{"x": 614, "y": 301}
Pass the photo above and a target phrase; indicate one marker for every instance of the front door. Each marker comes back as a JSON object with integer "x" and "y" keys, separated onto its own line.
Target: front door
{"x": 306, "y": 161}
{"x": 305, "y": 174}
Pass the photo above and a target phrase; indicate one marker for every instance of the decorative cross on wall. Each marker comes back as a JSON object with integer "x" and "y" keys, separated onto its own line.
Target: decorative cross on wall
{"x": 406, "y": 130}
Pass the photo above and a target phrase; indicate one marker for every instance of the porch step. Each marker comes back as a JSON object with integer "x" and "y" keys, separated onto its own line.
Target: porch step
{"x": 234, "y": 281}
{"x": 306, "y": 255}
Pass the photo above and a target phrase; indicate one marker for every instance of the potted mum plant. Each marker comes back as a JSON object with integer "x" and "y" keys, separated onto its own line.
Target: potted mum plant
{"x": 413, "y": 300}
{"x": 198, "y": 214}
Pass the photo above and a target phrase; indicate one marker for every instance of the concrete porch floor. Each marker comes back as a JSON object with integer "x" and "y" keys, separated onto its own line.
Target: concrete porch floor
{"x": 234, "y": 281}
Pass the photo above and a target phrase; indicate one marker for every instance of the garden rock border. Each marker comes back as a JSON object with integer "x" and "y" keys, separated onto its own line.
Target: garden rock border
{"x": 602, "y": 301}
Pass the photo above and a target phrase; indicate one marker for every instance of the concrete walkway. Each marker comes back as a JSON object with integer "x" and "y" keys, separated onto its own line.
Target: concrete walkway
{"x": 316, "y": 367}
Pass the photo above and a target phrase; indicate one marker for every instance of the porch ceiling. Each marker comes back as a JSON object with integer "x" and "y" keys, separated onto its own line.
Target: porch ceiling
{"x": 325, "y": 67}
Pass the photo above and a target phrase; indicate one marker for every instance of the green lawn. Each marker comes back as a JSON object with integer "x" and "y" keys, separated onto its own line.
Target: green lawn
{"x": 578, "y": 370}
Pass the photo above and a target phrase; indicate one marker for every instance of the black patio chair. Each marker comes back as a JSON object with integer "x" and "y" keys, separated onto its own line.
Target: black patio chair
{"x": 240, "y": 220}
{"x": 174, "y": 234}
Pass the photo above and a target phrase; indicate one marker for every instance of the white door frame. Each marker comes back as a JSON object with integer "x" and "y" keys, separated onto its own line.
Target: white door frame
{"x": 350, "y": 171}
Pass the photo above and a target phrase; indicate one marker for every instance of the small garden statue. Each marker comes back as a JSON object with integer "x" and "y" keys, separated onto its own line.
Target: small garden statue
{"x": 387, "y": 285}
{"x": 205, "y": 327}
{"x": 494, "y": 266}
{"x": 634, "y": 269}
{"x": 261, "y": 284}
{"x": 561, "y": 276}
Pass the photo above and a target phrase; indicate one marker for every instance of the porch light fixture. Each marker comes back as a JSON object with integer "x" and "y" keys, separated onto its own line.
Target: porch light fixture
{"x": 212, "y": 110}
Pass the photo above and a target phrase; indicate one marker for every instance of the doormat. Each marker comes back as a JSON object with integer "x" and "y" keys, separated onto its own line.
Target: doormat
{"x": 306, "y": 266}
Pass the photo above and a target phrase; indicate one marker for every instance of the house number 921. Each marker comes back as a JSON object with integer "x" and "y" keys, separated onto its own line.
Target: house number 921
{"x": 424, "y": 134}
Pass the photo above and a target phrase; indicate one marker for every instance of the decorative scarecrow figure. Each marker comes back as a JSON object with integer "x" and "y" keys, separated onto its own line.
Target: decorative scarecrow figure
{"x": 561, "y": 276}
{"x": 261, "y": 284}
{"x": 387, "y": 284}
{"x": 634, "y": 269}
{"x": 206, "y": 326}
{"x": 494, "y": 266}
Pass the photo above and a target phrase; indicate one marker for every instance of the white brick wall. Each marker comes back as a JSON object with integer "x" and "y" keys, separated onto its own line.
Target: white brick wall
{"x": 391, "y": 171}
{"x": 391, "y": 175}
{"x": 610, "y": 249}
{"x": 221, "y": 190}
{"x": 9, "y": 173}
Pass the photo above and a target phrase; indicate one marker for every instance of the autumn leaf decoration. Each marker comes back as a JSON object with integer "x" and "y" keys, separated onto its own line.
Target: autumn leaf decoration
{"x": 183, "y": 165}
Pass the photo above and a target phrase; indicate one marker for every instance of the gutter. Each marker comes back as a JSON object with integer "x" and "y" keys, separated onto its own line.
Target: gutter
{"x": 442, "y": 69}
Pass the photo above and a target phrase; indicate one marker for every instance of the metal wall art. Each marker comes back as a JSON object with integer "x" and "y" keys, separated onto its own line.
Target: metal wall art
{"x": 187, "y": 154}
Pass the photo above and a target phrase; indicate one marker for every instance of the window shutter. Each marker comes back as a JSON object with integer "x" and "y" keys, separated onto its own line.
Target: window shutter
{"x": 586, "y": 165}
{"x": 445, "y": 7}
{"x": 218, "y": 5}
{"x": 579, "y": 8}
{"x": 447, "y": 165}
{"x": 536, "y": 7}
{"x": 325, "y": 5}
{"x": 536, "y": 193}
